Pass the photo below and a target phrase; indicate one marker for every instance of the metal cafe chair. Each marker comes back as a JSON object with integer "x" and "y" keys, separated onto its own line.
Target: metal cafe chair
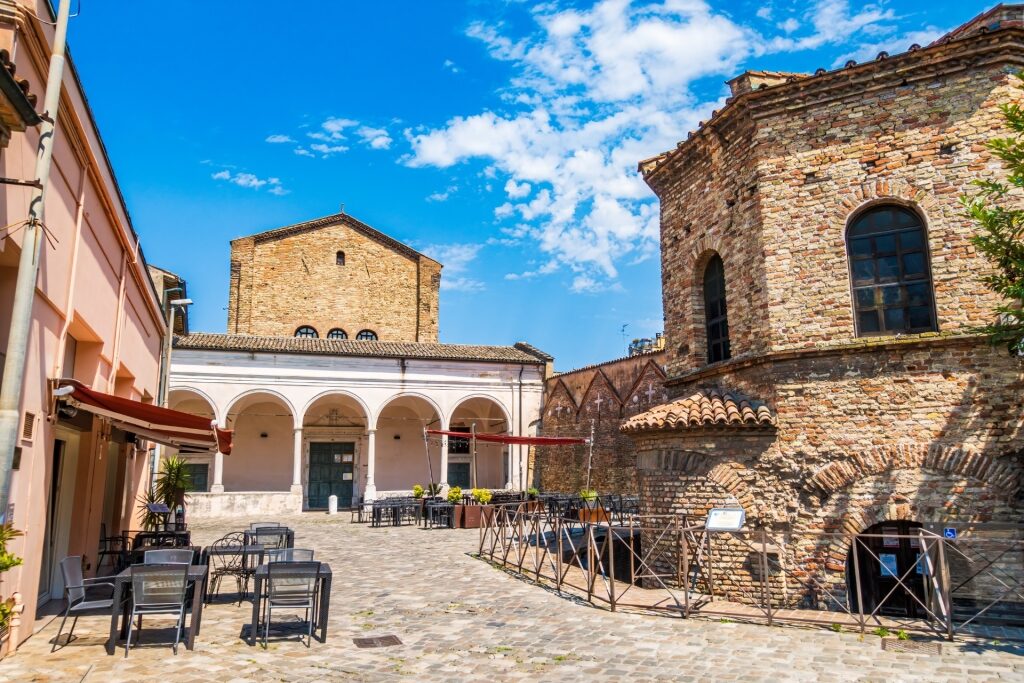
{"x": 224, "y": 558}
{"x": 75, "y": 588}
{"x": 291, "y": 586}
{"x": 110, "y": 546}
{"x": 253, "y": 526}
{"x": 158, "y": 589}
{"x": 288, "y": 555}
{"x": 268, "y": 537}
{"x": 168, "y": 556}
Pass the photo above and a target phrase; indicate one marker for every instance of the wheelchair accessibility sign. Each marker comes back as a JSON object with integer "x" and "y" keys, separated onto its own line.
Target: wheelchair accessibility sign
{"x": 949, "y": 532}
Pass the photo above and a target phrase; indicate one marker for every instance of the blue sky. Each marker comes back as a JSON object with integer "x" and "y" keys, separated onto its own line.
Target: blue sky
{"x": 499, "y": 137}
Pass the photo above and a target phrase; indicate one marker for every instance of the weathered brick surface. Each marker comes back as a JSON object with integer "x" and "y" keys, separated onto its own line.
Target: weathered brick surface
{"x": 282, "y": 281}
{"x": 924, "y": 427}
{"x": 602, "y": 396}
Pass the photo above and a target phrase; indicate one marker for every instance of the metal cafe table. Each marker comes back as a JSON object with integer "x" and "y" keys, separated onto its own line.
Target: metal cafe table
{"x": 320, "y": 614}
{"x": 122, "y": 606}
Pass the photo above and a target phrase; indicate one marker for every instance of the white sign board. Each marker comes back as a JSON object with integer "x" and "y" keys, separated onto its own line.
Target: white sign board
{"x": 725, "y": 519}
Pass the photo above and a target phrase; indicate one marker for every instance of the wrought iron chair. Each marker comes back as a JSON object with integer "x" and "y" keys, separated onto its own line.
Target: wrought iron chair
{"x": 252, "y": 558}
{"x": 288, "y": 555}
{"x": 75, "y": 588}
{"x": 169, "y": 556}
{"x": 292, "y": 585}
{"x": 225, "y": 559}
{"x": 158, "y": 589}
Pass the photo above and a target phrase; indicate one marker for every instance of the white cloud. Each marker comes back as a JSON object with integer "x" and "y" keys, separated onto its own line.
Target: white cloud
{"x": 251, "y": 181}
{"x": 327, "y": 150}
{"x": 278, "y": 139}
{"x": 517, "y": 190}
{"x": 456, "y": 259}
{"x": 443, "y": 196}
{"x": 451, "y": 66}
{"x": 789, "y": 25}
{"x": 374, "y": 138}
{"x": 303, "y": 152}
{"x": 764, "y": 12}
{"x": 593, "y": 91}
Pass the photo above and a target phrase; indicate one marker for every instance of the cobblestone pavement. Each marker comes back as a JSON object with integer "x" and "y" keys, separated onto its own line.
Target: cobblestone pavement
{"x": 459, "y": 617}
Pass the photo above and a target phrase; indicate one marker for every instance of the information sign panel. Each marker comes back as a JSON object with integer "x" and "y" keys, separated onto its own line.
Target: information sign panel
{"x": 725, "y": 519}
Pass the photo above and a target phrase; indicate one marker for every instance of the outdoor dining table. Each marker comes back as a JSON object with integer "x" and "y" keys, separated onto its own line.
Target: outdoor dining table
{"x": 321, "y": 614}
{"x": 119, "y": 613}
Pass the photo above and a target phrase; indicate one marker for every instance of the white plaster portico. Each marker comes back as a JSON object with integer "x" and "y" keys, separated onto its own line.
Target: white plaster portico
{"x": 373, "y": 405}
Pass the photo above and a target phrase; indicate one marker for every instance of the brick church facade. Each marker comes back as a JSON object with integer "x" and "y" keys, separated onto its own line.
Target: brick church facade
{"x": 820, "y": 290}
{"x": 334, "y": 277}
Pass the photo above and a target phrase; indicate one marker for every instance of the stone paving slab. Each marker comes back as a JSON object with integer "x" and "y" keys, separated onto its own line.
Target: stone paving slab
{"x": 459, "y": 617}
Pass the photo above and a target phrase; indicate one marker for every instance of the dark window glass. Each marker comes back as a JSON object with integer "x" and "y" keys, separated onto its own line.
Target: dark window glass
{"x": 339, "y": 258}
{"x": 457, "y": 444}
{"x": 307, "y": 332}
{"x": 337, "y": 333}
{"x": 198, "y": 476}
{"x": 716, "y": 323}
{"x": 892, "y": 290}
{"x": 366, "y": 335}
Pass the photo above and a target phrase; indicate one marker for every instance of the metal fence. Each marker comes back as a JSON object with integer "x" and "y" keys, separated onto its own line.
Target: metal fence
{"x": 672, "y": 564}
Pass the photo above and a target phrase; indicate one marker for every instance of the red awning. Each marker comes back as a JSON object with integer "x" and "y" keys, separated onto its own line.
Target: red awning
{"x": 170, "y": 427}
{"x": 514, "y": 440}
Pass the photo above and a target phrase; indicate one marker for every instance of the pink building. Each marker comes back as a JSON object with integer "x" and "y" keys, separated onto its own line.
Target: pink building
{"x": 96, "y": 318}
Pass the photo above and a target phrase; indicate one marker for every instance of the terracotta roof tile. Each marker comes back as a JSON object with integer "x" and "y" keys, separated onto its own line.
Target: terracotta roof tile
{"x": 202, "y": 341}
{"x": 704, "y": 408}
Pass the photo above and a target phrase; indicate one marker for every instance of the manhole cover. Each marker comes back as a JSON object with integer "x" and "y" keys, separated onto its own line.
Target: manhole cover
{"x": 379, "y": 641}
{"x": 916, "y": 646}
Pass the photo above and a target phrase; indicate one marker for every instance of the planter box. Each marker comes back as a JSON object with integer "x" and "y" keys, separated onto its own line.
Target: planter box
{"x": 593, "y": 515}
{"x": 472, "y": 516}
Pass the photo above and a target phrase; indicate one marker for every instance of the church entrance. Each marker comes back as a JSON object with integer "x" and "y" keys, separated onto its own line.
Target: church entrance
{"x": 888, "y": 555}
{"x": 331, "y": 467}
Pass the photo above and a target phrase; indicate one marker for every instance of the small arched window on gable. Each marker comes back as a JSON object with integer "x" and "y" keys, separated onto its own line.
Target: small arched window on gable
{"x": 337, "y": 333}
{"x": 890, "y": 277}
{"x": 366, "y": 335}
{"x": 339, "y": 258}
{"x": 307, "y": 332}
{"x": 716, "y": 322}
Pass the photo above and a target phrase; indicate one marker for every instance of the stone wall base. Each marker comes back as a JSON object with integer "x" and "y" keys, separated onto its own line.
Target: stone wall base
{"x": 234, "y": 503}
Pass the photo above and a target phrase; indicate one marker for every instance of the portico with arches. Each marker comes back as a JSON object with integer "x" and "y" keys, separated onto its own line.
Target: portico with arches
{"x": 314, "y": 418}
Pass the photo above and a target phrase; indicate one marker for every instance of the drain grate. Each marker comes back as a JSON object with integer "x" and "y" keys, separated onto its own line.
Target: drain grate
{"x": 379, "y": 641}
{"x": 929, "y": 647}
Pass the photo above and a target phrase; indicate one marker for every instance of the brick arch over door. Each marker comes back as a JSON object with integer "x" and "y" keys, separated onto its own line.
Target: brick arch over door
{"x": 995, "y": 472}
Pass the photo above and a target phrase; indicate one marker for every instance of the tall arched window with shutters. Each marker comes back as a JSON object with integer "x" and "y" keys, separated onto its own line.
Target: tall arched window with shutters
{"x": 889, "y": 272}
{"x": 716, "y": 321}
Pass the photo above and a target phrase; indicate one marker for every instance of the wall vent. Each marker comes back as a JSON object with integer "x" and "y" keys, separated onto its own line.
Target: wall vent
{"x": 28, "y": 427}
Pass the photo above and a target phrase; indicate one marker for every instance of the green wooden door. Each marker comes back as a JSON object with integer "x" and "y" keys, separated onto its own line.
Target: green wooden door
{"x": 331, "y": 468}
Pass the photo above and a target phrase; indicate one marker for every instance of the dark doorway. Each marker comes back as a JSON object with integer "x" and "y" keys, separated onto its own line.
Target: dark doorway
{"x": 889, "y": 553}
{"x": 458, "y": 475}
{"x": 331, "y": 467}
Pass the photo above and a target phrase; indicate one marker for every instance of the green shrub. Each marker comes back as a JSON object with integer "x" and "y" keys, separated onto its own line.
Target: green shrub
{"x": 417, "y": 491}
{"x": 455, "y": 495}
{"x": 482, "y": 496}
{"x": 589, "y": 495}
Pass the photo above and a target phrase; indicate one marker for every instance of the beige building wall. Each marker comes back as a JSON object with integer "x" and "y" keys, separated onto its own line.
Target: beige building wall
{"x": 291, "y": 277}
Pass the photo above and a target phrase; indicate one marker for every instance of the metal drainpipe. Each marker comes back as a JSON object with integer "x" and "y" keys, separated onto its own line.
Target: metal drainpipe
{"x": 28, "y": 266}
{"x": 521, "y": 482}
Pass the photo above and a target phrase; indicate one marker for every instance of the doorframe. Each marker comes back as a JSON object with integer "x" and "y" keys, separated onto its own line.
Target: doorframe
{"x": 62, "y": 512}
{"x": 354, "y": 435}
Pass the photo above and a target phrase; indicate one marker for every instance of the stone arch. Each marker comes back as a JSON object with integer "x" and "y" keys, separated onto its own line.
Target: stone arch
{"x": 727, "y": 476}
{"x": 234, "y": 402}
{"x": 952, "y": 460}
{"x": 406, "y": 394}
{"x": 469, "y": 397}
{"x": 855, "y": 199}
{"x": 198, "y": 394}
{"x": 300, "y": 418}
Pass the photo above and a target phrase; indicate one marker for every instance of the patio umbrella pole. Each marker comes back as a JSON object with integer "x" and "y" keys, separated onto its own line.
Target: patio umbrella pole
{"x": 472, "y": 439}
{"x": 426, "y": 449}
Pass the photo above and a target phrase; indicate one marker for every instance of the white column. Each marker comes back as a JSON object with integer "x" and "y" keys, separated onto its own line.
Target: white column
{"x": 509, "y": 461}
{"x": 370, "y": 491}
{"x": 218, "y": 473}
{"x": 444, "y": 463}
{"x": 297, "y": 462}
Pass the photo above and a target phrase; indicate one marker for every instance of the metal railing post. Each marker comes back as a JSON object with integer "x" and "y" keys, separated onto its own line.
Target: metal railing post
{"x": 686, "y": 574}
{"x": 611, "y": 564}
{"x": 856, "y": 582}
{"x": 558, "y": 557}
{"x": 946, "y": 594}
{"x": 764, "y": 575}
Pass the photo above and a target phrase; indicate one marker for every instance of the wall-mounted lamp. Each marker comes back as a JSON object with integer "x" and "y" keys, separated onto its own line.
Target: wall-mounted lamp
{"x": 263, "y": 435}
{"x": 397, "y": 437}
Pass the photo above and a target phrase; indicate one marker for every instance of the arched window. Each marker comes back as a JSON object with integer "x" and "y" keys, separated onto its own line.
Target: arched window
{"x": 366, "y": 335}
{"x": 307, "y": 332}
{"x": 892, "y": 288}
{"x": 339, "y": 258}
{"x": 716, "y": 322}
{"x": 337, "y": 333}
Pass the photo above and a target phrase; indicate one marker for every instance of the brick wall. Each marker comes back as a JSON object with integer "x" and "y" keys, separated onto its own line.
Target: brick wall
{"x": 282, "y": 281}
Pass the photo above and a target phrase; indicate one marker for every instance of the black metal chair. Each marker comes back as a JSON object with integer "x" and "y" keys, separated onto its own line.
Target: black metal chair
{"x": 288, "y": 555}
{"x": 224, "y": 558}
{"x": 291, "y": 586}
{"x": 268, "y": 537}
{"x": 158, "y": 589}
{"x": 253, "y": 526}
{"x": 75, "y": 588}
{"x": 110, "y": 547}
{"x": 440, "y": 515}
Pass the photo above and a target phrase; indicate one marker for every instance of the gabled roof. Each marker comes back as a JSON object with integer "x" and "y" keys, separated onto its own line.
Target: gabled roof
{"x": 202, "y": 341}
{"x": 709, "y": 407}
{"x": 335, "y": 219}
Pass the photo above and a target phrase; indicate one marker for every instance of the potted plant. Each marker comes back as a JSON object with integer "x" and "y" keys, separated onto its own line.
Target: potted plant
{"x": 455, "y": 498}
{"x": 169, "y": 488}
{"x": 433, "y": 489}
{"x": 480, "y": 511}
{"x": 9, "y": 607}
{"x": 590, "y": 510}
{"x": 417, "y": 491}
{"x": 532, "y": 493}
{"x": 532, "y": 504}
